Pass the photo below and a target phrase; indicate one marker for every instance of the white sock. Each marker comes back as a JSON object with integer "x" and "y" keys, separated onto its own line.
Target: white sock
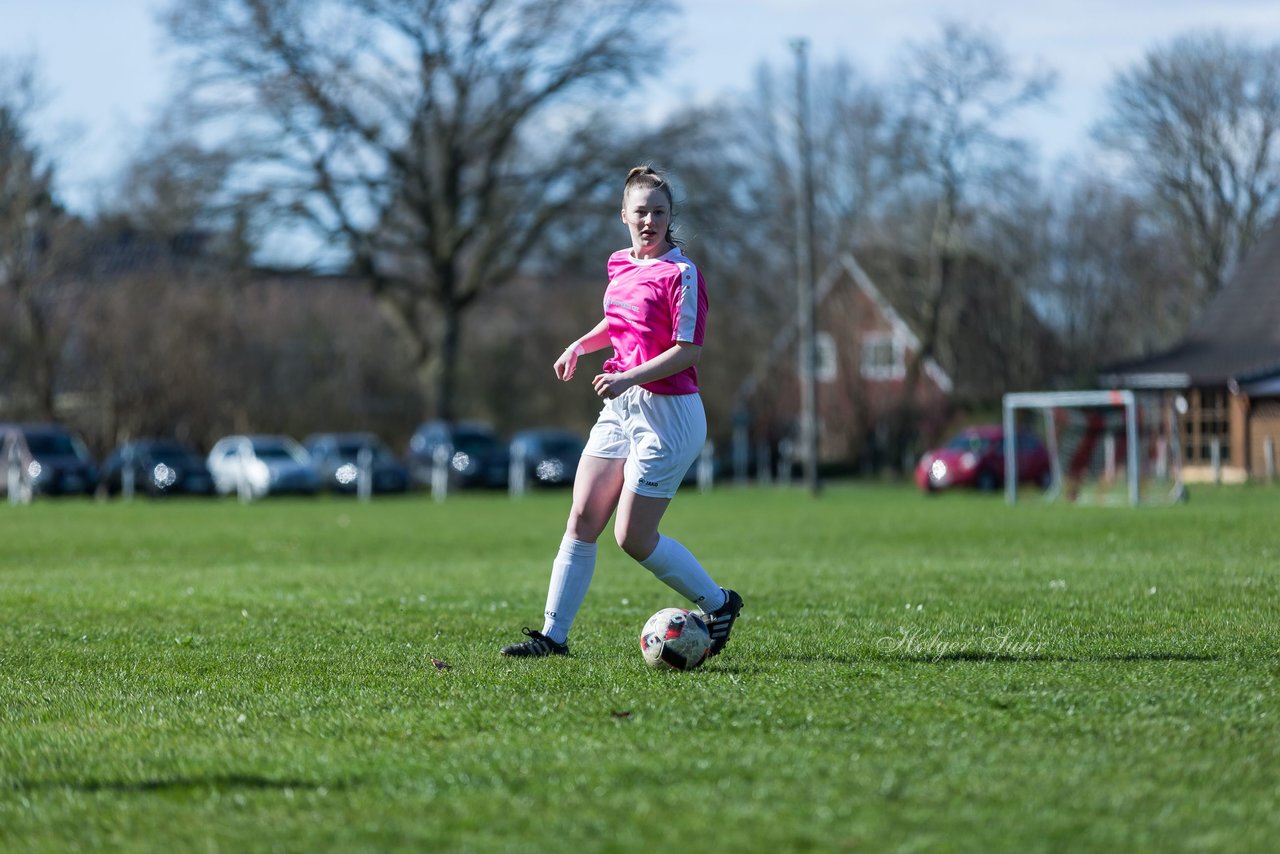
{"x": 675, "y": 566}
{"x": 571, "y": 573}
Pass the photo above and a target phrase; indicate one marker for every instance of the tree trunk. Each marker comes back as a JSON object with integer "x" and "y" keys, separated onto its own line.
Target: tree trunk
{"x": 37, "y": 354}
{"x": 447, "y": 375}
{"x": 906, "y": 413}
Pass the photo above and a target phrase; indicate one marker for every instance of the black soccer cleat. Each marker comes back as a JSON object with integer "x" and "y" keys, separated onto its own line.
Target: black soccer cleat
{"x": 536, "y": 646}
{"x": 720, "y": 621}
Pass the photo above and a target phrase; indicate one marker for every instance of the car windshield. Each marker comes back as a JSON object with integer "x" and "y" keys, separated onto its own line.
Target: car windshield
{"x": 473, "y": 443}
{"x": 350, "y": 450}
{"x": 970, "y": 442}
{"x": 51, "y": 445}
{"x": 273, "y": 451}
{"x": 561, "y": 447}
{"x": 169, "y": 452}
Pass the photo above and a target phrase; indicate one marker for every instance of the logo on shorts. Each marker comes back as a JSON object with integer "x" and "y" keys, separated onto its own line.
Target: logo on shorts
{"x": 644, "y": 482}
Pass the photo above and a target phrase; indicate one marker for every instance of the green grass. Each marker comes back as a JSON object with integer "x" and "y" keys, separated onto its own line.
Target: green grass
{"x": 910, "y": 674}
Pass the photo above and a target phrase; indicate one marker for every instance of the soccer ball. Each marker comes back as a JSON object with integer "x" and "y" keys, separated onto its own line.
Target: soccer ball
{"x": 675, "y": 639}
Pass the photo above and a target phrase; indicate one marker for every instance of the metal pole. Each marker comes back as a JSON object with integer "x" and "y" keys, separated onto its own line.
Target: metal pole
{"x": 764, "y": 463}
{"x": 244, "y": 490}
{"x": 1131, "y": 450}
{"x": 364, "y": 474}
{"x": 1010, "y": 456}
{"x": 706, "y": 467}
{"x": 517, "y": 470}
{"x": 127, "y": 474}
{"x": 440, "y": 472}
{"x": 14, "y": 456}
{"x": 805, "y": 274}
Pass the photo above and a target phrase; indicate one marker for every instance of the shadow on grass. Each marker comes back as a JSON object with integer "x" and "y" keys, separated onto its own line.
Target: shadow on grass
{"x": 1013, "y": 658}
{"x": 181, "y": 784}
{"x": 993, "y": 657}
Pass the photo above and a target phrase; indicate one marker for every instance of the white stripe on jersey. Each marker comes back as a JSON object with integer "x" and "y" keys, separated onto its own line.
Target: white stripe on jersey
{"x": 688, "y": 320}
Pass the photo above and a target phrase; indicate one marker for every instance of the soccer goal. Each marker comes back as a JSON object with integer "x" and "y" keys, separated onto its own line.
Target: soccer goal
{"x": 1105, "y": 447}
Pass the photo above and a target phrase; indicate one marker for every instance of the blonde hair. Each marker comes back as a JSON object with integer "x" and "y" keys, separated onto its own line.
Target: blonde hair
{"x": 648, "y": 178}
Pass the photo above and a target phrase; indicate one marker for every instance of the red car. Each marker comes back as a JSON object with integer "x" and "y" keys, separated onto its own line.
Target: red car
{"x": 975, "y": 457}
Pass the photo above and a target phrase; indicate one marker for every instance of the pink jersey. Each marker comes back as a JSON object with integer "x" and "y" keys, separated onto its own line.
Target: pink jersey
{"x": 650, "y": 305}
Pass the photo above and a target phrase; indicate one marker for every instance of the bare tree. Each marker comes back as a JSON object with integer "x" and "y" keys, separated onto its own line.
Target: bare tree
{"x": 740, "y": 181}
{"x": 437, "y": 143}
{"x": 32, "y": 231}
{"x": 1117, "y": 285}
{"x": 1198, "y": 121}
{"x": 959, "y": 94}
{"x": 175, "y": 184}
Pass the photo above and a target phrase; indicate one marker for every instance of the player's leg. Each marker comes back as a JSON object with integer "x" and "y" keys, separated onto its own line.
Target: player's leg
{"x": 667, "y": 435}
{"x": 596, "y": 487}
{"x": 637, "y": 533}
{"x": 595, "y": 495}
{"x": 673, "y": 564}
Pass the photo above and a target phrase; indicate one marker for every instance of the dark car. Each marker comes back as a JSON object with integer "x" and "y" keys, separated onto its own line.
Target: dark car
{"x": 158, "y": 467}
{"x": 550, "y": 456}
{"x": 474, "y": 455}
{"x": 339, "y": 458}
{"x": 975, "y": 458}
{"x": 57, "y": 462}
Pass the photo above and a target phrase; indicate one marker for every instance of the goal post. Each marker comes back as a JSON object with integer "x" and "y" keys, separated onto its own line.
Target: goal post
{"x": 1095, "y": 438}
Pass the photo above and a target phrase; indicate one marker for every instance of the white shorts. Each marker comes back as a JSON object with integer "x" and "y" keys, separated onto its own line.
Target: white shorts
{"x": 659, "y": 435}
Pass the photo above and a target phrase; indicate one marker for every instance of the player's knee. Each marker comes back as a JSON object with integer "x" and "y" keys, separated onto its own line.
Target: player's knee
{"x": 637, "y": 544}
{"x": 584, "y": 527}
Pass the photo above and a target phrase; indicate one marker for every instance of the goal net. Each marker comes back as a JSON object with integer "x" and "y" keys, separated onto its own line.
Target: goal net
{"x": 1104, "y": 447}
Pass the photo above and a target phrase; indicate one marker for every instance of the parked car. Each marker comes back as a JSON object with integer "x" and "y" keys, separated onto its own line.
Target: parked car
{"x": 267, "y": 465}
{"x": 336, "y": 457}
{"x": 975, "y": 458}
{"x": 159, "y": 467}
{"x": 57, "y": 461}
{"x": 477, "y": 457}
{"x": 550, "y": 455}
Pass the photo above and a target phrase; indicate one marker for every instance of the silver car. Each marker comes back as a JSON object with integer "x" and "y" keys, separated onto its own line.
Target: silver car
{"x": 254, "y": 466}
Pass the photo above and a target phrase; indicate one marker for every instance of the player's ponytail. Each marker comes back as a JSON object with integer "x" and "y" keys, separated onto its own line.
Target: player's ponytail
{"x": 648, "y": 178}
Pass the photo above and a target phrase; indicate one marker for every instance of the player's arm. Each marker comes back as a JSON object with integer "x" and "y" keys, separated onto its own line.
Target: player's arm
{"x": 596, "y": 339}
{"x": 673, "y": 360}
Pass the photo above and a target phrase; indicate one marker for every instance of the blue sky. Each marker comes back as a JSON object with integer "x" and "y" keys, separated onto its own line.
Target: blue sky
{"x": 106, "y": 66}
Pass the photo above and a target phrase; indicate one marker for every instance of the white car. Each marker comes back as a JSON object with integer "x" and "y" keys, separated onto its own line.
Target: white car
{"x": 261, "y": 465}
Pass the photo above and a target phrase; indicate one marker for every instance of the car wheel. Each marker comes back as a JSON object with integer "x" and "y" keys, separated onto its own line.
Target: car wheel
{"x": 987, "y": 482}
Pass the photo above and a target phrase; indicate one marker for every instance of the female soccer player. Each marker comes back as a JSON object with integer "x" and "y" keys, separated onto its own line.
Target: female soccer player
{"x": 650, "y": 429}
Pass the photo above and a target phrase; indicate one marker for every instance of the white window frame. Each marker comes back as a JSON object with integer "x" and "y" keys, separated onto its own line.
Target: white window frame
{"x": 897, "y": 369}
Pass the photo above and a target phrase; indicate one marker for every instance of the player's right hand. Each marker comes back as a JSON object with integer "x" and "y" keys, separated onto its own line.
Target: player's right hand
{"x": 566, "y": 364}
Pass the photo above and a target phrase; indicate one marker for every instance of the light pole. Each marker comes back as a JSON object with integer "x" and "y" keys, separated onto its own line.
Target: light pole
{"x": 805, "y": 278}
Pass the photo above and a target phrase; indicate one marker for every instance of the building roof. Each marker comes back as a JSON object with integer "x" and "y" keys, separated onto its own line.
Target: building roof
{"x": 987, "y": 337}
{"x": 895, "y": 319}
{"x": 1236, "y": 338}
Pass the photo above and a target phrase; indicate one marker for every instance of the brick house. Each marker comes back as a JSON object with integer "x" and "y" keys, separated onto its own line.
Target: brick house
{"x": 1225, "y": 372}
{"x": 988, "y": 342}
{"x": 863, "y": 348}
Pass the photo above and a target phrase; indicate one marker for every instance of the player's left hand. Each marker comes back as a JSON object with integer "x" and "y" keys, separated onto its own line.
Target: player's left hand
{"x": 609, "y": 386}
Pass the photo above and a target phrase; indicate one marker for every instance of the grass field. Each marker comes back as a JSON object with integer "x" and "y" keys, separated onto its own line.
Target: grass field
{"x": 910, "y": 674}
